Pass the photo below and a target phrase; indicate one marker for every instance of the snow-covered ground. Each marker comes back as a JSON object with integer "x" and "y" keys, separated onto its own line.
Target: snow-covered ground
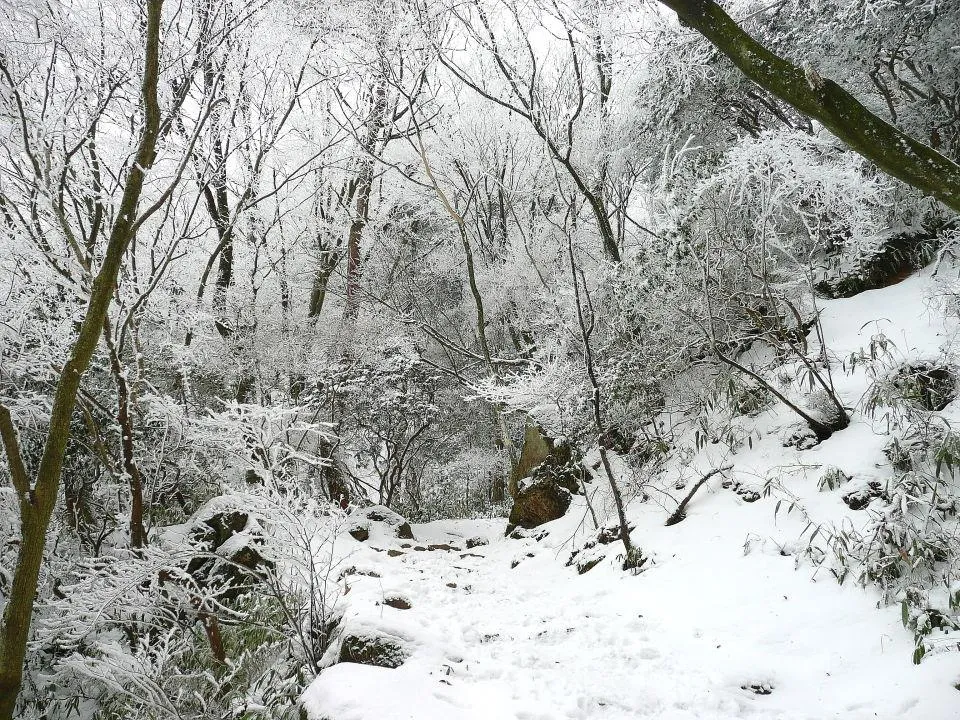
{"x": 725, "y": 621}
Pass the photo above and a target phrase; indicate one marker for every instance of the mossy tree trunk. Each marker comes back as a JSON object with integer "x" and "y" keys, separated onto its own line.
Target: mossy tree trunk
{"x": 38, "y": 500}
{"x": 893, "y": 151}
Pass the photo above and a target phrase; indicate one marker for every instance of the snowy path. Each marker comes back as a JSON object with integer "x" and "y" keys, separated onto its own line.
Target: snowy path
{"x": 539, "y": 642}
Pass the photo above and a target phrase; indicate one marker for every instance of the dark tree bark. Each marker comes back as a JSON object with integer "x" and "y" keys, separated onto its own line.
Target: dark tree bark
{"x": 138, "y": 533}
{"x": 37, "y": 502}
{"x": 893, "y": 151}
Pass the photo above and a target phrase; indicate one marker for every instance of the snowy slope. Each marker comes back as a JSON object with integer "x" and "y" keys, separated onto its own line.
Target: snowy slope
{"x": 725, "y": 621}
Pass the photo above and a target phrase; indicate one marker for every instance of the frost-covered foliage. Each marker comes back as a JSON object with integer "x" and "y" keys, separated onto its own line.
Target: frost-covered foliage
{"x": 149, "y": 634}
{"x": 377, "y": 242}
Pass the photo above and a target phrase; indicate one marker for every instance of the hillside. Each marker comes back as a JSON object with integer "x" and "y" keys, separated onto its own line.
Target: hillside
{"x": 729, "y": 618}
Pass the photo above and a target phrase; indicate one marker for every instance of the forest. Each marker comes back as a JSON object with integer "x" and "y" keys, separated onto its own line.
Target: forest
{"x": 479, "y": 359}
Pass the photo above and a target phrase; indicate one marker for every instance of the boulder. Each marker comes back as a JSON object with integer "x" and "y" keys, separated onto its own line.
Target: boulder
{"x": 562, "y": 459}
{"x": 538, "y": 501}
{"x": 380, "y": 650}
{"x": 229, "y": 543}
{"x": 360, "y": 533}
{"x": 378, "y": 519}
{"x": 549, "y": 472}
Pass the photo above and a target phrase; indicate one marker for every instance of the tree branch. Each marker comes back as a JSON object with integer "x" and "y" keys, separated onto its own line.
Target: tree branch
{"x": 18, "y": 471}
{"x": 893, "y": 151}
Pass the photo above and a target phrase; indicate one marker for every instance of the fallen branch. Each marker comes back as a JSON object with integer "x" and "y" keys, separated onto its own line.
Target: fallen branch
{"x": 679, "y": 513}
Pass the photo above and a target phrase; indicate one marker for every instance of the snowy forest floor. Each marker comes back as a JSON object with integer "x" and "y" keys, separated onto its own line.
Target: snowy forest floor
{"x": 697, "y": 636}
{"x": 723, "y": 621}
{"x": 694, "y": 637}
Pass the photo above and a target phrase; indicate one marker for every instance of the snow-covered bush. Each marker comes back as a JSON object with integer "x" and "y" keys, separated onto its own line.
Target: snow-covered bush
{"x": 910, "y": 543}
{"x": 143, "y": 634}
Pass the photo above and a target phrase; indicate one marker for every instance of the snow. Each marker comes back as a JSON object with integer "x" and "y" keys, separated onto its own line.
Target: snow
{"x": 725, "y": 621}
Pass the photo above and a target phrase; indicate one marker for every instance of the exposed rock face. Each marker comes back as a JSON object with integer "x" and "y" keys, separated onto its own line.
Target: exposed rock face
{"x": 230, "y": 541}
{"x": 538, "y": 501}
{"x": 891, "y": 259}
{"x": 563, "y": 467}
{"x": 548, "y": 473}
{"x": 367, "y": 649}
{"x": 536, "y": 449}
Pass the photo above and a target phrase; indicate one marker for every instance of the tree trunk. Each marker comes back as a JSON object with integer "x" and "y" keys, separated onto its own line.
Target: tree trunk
{"x": 353, "y": 242}
{"x": 321, "y": 278}
{"x": 37, "y": 503}
{"x": 633, "y": 558}
{"x": 138, "y": 533}
{"x": 893, "y": 151}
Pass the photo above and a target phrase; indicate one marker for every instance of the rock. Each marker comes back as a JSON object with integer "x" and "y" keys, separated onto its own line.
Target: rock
{"x": 891, "y": 258}
{"x": 395, "y": 553}
{"x": 861, "y": 497}
{"x": 360, "y": 533}
{"x": 536, "y": 449}
{"x": 563, "y": 466}
{"x": 365, "y": 649}
{"x": 545, "y": 493}
{"x": 443, "y": 546}
{"x": 398, "y": 602}
{"x": 544, "y": 455}
{"x": 538, "y": 502}
{"x": 476, "y": 542}
{"x": 364, "y": 520}
{"x": 229, "y": 542}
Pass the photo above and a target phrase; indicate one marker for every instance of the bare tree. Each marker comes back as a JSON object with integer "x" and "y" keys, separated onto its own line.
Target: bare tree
{"x": 555, "y": 106}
